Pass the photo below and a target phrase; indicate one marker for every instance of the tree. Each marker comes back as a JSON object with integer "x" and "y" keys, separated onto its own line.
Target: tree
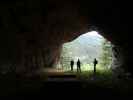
{"x": 65, "y": 57}
{"x": 106, "y": 56}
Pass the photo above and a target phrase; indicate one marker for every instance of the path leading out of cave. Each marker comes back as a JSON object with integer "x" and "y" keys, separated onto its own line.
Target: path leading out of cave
{"x": 59, "y": 75}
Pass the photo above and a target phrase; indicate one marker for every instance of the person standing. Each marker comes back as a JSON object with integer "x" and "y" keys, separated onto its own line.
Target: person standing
{"x": 95, "y": 62}
{"x": 78, "y": 66}
{"x": 72, "y": 64}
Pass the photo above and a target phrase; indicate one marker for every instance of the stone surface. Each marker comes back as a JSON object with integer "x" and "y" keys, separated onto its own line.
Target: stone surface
{"x": 33, "y": 31}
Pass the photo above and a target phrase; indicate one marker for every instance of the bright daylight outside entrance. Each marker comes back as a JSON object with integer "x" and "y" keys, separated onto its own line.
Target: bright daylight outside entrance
{"x": 86, "y": 48}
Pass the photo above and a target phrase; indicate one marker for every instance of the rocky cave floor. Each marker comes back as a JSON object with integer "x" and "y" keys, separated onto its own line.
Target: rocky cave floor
{"x": 67, "y": 85}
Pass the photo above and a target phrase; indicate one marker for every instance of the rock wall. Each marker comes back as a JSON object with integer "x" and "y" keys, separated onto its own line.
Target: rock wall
{"x": 32, "y": 31}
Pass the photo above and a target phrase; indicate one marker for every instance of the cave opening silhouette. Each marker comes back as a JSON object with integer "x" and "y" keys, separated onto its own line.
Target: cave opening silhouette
{"x": 87, "y": 47}
{"x": 32, "y": 35}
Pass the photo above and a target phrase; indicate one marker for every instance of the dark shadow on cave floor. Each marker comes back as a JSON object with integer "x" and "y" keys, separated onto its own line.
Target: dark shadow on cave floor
{"x": 67, "y": 85}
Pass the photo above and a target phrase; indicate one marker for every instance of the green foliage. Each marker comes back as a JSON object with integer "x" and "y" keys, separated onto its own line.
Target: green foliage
{"x": 106, "y": 56}
{"x": 87, "y": 75}
{"x": 65, "y": 57}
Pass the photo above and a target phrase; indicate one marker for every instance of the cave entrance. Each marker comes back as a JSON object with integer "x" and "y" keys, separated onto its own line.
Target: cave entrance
{"x": 86, "y": 48}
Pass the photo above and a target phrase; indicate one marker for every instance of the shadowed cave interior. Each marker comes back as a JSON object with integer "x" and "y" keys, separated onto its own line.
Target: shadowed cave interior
{"x": 32, "y": 35}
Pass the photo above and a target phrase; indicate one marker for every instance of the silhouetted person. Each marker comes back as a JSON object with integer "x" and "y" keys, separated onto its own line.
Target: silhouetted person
{"x": 72, "y": 63}
{"x": 95, "y": 63}
{"x": 78, "y": 66}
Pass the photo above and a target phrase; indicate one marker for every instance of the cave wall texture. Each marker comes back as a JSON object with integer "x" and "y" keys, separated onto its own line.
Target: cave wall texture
{"x": 32, "y": 31}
